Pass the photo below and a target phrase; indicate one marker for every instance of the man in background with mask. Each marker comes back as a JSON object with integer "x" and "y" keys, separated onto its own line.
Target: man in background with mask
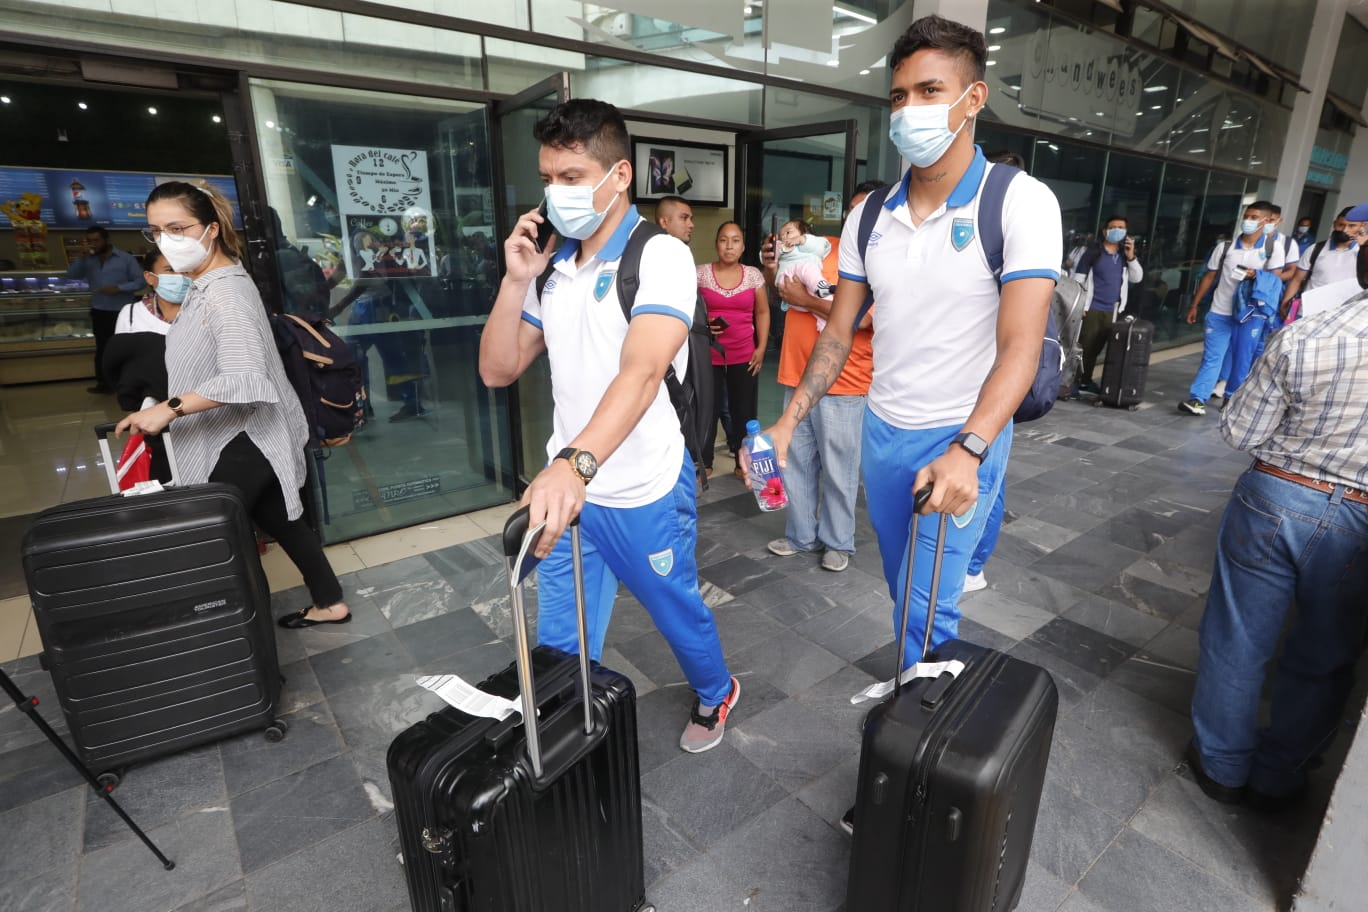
{"x": 1106, "y": 272}
{"x": 1327, "y": 262}
{"x": 113, "y": 276}
{"x": 955, "y": 345}
{"x": 639, "y": 520}
{"x": 1303, "y": 234}
{"x": 1287, "y": 245}
{"x": 1230, "y": 263}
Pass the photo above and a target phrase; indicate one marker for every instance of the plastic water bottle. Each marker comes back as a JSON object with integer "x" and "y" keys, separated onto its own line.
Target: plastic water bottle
{"x": 757, "y": 458}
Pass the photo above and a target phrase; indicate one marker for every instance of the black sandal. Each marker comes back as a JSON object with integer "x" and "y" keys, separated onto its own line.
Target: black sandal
{"x": 298, "y": 620}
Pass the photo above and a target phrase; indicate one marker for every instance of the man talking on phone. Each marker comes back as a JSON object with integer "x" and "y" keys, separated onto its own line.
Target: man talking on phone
{"x": 1106, "y": 271}
{"x": 616, "y": 457}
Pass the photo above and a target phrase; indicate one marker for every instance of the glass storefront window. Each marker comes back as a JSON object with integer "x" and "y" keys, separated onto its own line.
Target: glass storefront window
{"x": 1175, "y": 260}
{"x": 393, "y": 197}
{"x": 1075, "y": 174}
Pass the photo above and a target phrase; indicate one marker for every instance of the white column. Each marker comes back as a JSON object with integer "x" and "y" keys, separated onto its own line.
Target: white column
{"x": 1354, "y": 184}
{"x": 1326, "y": 25}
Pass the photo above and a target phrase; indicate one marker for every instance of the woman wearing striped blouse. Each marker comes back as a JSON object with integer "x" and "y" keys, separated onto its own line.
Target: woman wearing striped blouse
{"x": 238, "y": 420}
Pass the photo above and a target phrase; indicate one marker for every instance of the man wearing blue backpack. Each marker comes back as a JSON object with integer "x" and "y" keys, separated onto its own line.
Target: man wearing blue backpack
{"x": 962, "y": 256}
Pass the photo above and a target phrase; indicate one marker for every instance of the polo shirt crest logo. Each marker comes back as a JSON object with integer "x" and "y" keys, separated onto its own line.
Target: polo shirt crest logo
{"x": 602, "y": 284}
{"x": 961, "y": 232}
{"x": 662, "y": 562}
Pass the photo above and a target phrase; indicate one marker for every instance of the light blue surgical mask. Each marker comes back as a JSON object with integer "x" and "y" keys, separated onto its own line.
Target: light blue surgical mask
{"x": 1270, "y": 228}
{"x": 571, "y": 208}
{"x": 1249, "y": 226}
{"x": 172, "y": 287}
{"x": 1116, "y": 235}
{"x": 921, "y": 133}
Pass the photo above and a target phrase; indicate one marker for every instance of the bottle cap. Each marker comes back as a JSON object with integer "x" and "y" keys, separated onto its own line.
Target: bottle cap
{"x": 752, "y": 428}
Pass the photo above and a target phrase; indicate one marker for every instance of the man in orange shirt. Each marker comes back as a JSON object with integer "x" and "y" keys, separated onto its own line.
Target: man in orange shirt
{"x": 823, "y": 472}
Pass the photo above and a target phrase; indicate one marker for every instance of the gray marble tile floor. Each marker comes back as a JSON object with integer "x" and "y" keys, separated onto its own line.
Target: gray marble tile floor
{"x": 1099, "y": 578}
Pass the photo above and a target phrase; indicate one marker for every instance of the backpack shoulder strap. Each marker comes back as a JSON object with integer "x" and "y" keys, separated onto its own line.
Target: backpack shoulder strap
{"x": 869, "y": 215}
{"x": 991, "y": 199}
{"x": 1315, "y": 252}
{"x": 1220, "y": 266}
{"x": 629, "y": 265}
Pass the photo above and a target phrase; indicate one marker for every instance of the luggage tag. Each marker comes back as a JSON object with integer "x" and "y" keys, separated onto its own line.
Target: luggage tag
{"x": 468, "y": 698}
{"x": 920, "y": 670}
{"x": 151, "y": 486}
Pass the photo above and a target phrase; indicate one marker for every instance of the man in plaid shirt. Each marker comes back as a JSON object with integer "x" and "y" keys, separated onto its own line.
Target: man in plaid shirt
{"x": 1296, "y": 529}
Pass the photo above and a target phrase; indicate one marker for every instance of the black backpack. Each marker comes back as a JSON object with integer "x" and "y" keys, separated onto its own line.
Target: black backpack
{"x": 691, "y": 397}
{"x": 325, "y": 375}
{"x": 302, "y": 283}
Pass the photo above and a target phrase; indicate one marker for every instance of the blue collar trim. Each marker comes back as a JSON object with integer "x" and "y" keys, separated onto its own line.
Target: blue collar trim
{"x": 612, "y": 251}
{"x": 962, "y": 195}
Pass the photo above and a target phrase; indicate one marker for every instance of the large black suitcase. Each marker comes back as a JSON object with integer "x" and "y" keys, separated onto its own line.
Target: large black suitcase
{"x": 951, "y": 772}
{"x": 1126, "y": 370}
{"x": 498, "y": 816}
{"x": 155, "y": 618}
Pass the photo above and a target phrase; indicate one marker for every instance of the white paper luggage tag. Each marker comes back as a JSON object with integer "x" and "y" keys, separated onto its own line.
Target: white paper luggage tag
{"x": 467, "y": 698}
{"x": 144, "y": 487}
{"x": 920, "y": 670}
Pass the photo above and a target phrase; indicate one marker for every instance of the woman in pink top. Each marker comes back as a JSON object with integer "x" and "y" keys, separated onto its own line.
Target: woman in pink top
{"x": 738, "y": 314}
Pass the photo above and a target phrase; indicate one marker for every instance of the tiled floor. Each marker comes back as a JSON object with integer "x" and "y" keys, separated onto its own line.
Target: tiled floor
{"x": 1099, "y": 577}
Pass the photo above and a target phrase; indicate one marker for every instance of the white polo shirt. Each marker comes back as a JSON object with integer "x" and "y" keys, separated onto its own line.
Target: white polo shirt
{"x": 935, "y": 329}
{"x": 1333, "y": 265}
{"x": 581, "y": 318}
{"x": 1256, "y": 257}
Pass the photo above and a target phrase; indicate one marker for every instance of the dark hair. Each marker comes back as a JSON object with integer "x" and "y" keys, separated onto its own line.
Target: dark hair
{"x": 208, "y": 206}
{"x": 1343, "y": 214}
{"x": 869, "y": 186}
{"x": 101, "y": 230}
{"x": 1307, "y": 218}
{"x": 1261, "y": 205}
{"x": 1006, "y": 157}
{"x": 939, "y": 34}
{"x": 150, "y": 260}
{"x": 722, "y": 226}
{"x": 672, "y": 199}
{"x": 803, "y": 226}
{"x": 1275, "y": 209}
{"x": 1116, "y": 218}
{"x": 595, "y": 125}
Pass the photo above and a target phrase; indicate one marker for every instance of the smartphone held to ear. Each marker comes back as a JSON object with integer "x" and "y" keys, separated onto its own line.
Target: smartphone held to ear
{"x": 545, "y": 230}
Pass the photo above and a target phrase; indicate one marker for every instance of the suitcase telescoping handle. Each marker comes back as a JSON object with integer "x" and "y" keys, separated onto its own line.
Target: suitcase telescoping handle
{"x": 102, "y": 432}
{"x": 919, "y": 500}
{"x": 520, "y": 540}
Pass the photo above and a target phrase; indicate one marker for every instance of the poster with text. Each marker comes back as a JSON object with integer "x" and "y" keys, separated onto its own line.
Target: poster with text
{"x": 696, "y": 172}
{"x": 385, "y": 200}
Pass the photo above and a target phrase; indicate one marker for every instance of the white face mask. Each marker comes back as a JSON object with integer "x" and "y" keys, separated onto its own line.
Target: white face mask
{"x": 571, "y": 208}
{"x": 184, "y": 253}
{"x": 922, "y": 133}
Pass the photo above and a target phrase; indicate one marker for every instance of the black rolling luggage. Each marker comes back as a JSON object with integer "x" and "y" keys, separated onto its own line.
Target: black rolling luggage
{"x": 498, "y": 816}
{"x": 156, "y": 622}
{"x": 1126, "y": 370}
{"x": 951, "y": 771}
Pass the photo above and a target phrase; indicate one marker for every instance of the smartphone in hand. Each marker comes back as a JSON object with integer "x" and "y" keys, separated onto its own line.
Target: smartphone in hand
{"x": 545, "y": 230}
{"x": 719, "y": 322}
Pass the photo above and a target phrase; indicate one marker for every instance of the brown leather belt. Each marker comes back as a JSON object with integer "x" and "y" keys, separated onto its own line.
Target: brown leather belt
{"x": 1324, "y": 487}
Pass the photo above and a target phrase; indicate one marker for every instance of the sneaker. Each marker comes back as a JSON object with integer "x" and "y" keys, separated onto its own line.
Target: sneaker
{"x": 705, "y": 732}
{"x": 848, "y": 822}
{"x": 782, "y": 547}
{"x": 835, "y": 561}
{"x": 973, "y": 582}
{"x": 1216, "y": 791}
{"x": 1192, "y": 406}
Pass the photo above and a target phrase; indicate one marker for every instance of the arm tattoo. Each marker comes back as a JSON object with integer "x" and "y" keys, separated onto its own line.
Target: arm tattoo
{"x": 824, "y": 366}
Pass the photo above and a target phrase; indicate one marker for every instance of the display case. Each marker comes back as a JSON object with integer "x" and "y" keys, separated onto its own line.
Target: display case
{"x": 45, "y": 329}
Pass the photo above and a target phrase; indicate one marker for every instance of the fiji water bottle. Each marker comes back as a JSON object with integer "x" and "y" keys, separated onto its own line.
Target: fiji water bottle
{"x": 757, "y": 458}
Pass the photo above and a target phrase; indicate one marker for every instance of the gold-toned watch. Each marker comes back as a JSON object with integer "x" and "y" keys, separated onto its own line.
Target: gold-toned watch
{"x": 176, "y": 406}
{"x": 582, "y": 463}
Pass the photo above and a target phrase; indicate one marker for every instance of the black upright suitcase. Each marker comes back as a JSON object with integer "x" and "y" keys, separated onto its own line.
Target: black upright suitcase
{"x": 951, "y": 772}
{"x": 498, "y": 816}
{"x": 1126, "y": 370}
{"x": 155, "y": 618}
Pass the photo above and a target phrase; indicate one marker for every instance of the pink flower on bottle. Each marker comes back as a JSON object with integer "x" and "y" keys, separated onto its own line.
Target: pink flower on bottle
{"x": 773, "y": 494}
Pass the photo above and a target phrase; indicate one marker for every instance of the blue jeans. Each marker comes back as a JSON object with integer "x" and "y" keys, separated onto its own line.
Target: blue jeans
{"x": 823, "y": 474}
{"x": 991, "y": 530}
{"x": 1279, "y": 543}
{"x": 1214, "y": 347}
{"x": 890, "y": 459}
{"x": 651, "y": 549}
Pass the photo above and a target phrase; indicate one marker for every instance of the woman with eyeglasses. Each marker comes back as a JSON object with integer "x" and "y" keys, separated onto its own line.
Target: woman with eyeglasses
{"x": 238, "y": 420}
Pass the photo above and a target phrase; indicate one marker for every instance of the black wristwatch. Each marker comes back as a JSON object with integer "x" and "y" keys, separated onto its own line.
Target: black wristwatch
{"x": 582, "y": 463}
{"x": 175, "y": 404}
{"x": 976, "y": 445}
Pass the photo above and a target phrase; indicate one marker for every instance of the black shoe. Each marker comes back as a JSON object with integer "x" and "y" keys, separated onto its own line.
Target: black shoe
{"x": 298, "y": 620}
{"x": 1265, "y": 803}
{"x": 1226, "y": 794}
{"x": 848, "y": 822}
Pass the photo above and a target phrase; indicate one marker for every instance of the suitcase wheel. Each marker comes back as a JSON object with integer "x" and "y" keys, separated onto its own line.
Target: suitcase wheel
{"x": 1132, "y": 407}
{"x": 1096, "y": 402}
{"x": 276, "y": 730}
{"x": 109, "y": 780}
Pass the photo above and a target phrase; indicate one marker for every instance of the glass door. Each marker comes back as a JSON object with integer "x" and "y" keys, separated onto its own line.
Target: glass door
{"x": 517, "y": 152}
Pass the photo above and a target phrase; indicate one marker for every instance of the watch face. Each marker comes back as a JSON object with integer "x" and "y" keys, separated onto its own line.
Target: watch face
{"x": 585, "y": 465}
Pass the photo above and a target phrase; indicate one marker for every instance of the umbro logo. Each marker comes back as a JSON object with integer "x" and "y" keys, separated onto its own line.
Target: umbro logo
{"x": 874, "y": 238}
{"x": 549, "y": 286}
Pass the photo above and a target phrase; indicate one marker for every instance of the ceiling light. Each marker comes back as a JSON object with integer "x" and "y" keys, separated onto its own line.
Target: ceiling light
{"x": 992, "y": 63}
{"x": 4, "y": 99}
{"x": 852, "y": 14}
{"x": 1015, "y": 88}
{"x": 994, "y": 47}
{"x": 1054, "y": 148}
{"x": 1156, "y": 88}
{"x": 1156, "y": 107}
{"x": 82, "y": 105}
{"x": 217, "y": 119}
{"x": 151, "y": 110}
{"x": 1195, "y": 151}
{"x": 997, "y": 31}
{"x": 833, "y": 63}
{"x": 270, "y": 124}
{"x": 864, "y": 72}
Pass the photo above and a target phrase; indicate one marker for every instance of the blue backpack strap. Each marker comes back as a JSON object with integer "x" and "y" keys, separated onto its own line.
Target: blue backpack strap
{"x": 873, "y": 202}
{"x": 991, "y": 199}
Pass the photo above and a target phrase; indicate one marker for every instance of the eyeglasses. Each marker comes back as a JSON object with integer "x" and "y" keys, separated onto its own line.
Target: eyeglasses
{"x": 152, "y": 234}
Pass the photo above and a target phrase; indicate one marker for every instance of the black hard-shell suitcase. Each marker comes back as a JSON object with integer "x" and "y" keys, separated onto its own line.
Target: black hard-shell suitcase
{"x": 951, "y": 772}
{"x": 498, "y": 816}
{"x": 155, "y": 618}
{"x": 1126, "y": 370}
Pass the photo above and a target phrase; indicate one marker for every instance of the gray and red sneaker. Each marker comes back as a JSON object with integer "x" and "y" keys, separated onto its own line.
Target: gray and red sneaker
{"x": 705, "y": 732}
